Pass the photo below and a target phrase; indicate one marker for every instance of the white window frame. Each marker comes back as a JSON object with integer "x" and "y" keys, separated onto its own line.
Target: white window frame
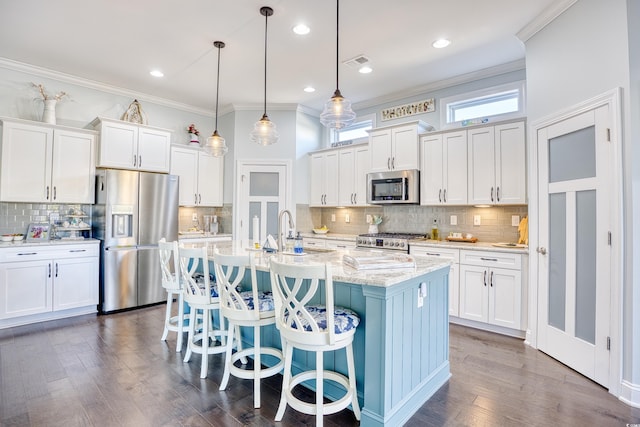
{"x": 448, "y": 104}
{"x": 333, "y": 135}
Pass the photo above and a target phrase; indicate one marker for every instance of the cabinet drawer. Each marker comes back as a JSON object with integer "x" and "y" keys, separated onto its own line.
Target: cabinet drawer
{"x": 36, "y": 252}
{"x": 314, "y": 242}
{"x": 453, "y": 254}
{"x": 340, "y": 244}
{"x": 491, "y": 259}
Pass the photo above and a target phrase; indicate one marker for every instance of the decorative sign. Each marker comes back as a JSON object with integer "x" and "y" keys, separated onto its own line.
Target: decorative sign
{"x": 420, "y": 107}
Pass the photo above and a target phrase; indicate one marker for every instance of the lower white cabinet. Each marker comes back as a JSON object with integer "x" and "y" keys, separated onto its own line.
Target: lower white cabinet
{"x": 48, "y": 279}
{"x": 491, "y": 288}
{"x": 454, "y": 272}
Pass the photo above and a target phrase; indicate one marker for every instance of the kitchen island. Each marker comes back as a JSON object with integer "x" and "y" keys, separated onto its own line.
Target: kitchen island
{"x": 401, "y": 346}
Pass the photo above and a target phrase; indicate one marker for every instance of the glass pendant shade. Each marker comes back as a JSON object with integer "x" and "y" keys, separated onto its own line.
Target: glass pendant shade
{"x": 216, "y": 145}
{"x": 337, "y": 113}
{"x": 264, "y": 132}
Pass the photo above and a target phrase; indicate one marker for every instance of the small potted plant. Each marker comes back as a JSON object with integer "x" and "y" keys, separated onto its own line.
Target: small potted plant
{"x": 193, "y": 134}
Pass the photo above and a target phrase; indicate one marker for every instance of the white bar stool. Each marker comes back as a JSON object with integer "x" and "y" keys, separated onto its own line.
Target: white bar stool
{"x": 170, "y": 269}
{"x": 201, "y": 296}
{"x": 316, "y": 328}
{"x": 245, "y": 309}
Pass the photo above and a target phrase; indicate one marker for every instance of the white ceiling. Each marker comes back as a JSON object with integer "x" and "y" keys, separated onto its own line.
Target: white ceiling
{"x": 117, "y": 42}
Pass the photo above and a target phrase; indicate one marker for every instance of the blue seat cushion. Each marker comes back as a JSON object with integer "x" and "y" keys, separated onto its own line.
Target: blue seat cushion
{"x": 265, "y": 300}
{"x": 344, "y": 319}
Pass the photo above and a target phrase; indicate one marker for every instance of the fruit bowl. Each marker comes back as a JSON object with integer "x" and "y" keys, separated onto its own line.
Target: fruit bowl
{"x": 6, "y": 237}
{"x": 18, "y": 237}
{"x": 321, "y": 230}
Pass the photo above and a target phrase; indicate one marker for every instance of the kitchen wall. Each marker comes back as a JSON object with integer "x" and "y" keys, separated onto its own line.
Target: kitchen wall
{"x": 495, "y": 221}
{"x": 185, "y": 218}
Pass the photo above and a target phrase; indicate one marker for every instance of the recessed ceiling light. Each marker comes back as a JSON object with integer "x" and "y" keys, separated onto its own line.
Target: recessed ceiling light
{"x": 440, "y": 43}
{"x": 301, "y": 29}
{"x": 309, "y": 89}
{"x": 156, "y": 73}
{"x": 365, "y": 69}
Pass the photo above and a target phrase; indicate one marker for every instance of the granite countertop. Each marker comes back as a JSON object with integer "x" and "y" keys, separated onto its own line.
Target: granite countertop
{"x": 341, "y": 273}
{"x": 478, "y": 246}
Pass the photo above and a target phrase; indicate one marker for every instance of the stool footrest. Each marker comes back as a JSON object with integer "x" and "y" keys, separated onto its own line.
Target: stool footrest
{"x": 328, "y": 408}
{"x": 248, "y": 374}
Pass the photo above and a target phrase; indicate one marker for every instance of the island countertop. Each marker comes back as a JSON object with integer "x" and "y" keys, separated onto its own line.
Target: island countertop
{"x": 383, "y": 277}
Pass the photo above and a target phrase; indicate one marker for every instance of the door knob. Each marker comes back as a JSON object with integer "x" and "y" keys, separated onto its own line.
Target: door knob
{"x": 542, "y": 250}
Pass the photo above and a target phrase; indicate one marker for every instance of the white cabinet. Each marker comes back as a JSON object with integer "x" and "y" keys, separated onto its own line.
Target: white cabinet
{"x": 396, "y": 147}
{"x": 201, "y": 177}
{"x": 340, "y": 244}
{"x": 491, "y": 288}
{"x": 324, "y": 179}
{"x": 454, "y": 272}
{"x": 126, "y": 145}
{"x": 40, "y": 279}
{"x": 46, "y": 163}
{"x": 497, "y": 165}
{"x": 443, "y": 168}
{"x": 353, "y": 166}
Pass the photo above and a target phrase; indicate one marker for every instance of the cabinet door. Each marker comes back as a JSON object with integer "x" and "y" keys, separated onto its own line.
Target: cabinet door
{"x": 153, "y": 150}
{"x": 210, "y": 177}
{"x": 316, "y": 196}
{"x": 474, "y": 292}
{"x": 482, "y": 188}
{"x": 118, "y": 146}
{"x": 510, "y": 160}
{"x": 404, "y": 148}
{"x": 73, "y": 172}
{"x": 361, "y": 169}
{"x": 331, "y": 178}
{"x": 346, "y": 177}
{"x": 454, "y": 146}
{"x": 505, "y": 297}
{"x": 431, "y": 170}
{"x": 380, "y": 150}
{"x": 454, "y": 273}
{"x": 25, "y": 288}
{"x": 75, "y": 283}
{"x": 25, "y": 172}
{"x": 184, "y": 163}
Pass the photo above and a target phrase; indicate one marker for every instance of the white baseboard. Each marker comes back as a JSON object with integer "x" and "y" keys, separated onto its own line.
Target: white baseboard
{"x": 630, "y": 393}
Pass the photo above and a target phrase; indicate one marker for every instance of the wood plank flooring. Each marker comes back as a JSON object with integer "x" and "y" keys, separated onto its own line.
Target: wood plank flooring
{"x": 114, "y": 371}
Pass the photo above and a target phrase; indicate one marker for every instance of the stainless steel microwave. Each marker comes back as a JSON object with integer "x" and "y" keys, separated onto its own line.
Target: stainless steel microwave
{"x": 394, "y": 187}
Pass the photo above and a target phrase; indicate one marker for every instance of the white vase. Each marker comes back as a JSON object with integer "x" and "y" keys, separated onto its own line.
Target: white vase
{"x": 49, "y": 115}
{"x": 194, "y": 139}
{"x": 373, "y": 229}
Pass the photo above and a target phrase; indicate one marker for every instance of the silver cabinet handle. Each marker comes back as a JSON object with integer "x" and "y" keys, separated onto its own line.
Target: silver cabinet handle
{"x": 28, "y": 253}
{"x": 195, "y": 199}
{"x": 440, "y": 195}
{"x": 492, "y": 194}
{"x": 78, "y": 250}
{"x": 56, "y": 269}
{"x": 135, "y": 160}
{"x": 199, "y": 199}
{"x": 491, "y": 280}
{"x": 542, "y": 250}
{"x": 355, "y": 198}
{"x": 55, "y": 192}
{"x": 428, "y": 253}
{"x": 47, "y": 193}
{"x": 489, "y": 259}
{"x": 498, "y": 194}
{"x": 388, "y": 162}
{"x": 484, "y": 277}
{"x": 393, "y": 163}
{"x": 445, "y": 195}
{"x": 140, "y": 161}
{"x": 49, "y": 269}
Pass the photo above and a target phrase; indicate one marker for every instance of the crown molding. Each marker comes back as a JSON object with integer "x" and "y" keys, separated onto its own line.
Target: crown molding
{"x": 543, "y": 19}
{"x": 442, "y": 84}
{"x": 91, "y": 84}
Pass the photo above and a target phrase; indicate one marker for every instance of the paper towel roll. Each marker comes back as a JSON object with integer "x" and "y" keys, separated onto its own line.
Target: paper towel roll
{"x": 256, "y": 229}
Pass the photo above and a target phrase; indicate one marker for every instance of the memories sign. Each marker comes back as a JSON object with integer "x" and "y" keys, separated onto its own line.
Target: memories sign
{"x": 420, "y": 107}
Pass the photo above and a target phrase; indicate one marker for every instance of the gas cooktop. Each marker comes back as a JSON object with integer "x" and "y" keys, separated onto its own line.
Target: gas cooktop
{"x": 393, "y": 241}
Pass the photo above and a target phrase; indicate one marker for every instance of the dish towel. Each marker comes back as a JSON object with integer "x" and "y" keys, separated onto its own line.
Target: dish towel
{"x": 523, "y": 229}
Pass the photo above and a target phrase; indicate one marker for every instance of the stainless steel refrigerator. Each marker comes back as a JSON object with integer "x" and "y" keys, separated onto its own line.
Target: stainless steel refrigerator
{"x": 133, "y": 211}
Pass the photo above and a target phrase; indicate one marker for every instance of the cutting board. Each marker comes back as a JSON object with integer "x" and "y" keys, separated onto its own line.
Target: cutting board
{"x": 462, "y": 239}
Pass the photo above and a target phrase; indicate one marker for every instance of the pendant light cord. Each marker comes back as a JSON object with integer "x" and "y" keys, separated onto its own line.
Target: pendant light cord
{"x": 217, "y": 87}
{"x": 337, "y": 40}
{"x": 266, "y": 19}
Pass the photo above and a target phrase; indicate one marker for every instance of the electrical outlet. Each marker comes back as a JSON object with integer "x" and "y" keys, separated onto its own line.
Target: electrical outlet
{"x": 347, "y": 218}
{"x": 420, "y": 299}
{"x": 194, "y": 217}
{"x": 477, "y": 220}
{"x": 454, "y": 220}
{"x": 333, "y": 217}
{"x": 515, "y": 220}
{"x": 369, "y": 219}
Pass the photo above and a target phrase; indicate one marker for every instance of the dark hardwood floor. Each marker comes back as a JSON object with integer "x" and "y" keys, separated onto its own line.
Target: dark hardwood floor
{"x": 114, "y": 371}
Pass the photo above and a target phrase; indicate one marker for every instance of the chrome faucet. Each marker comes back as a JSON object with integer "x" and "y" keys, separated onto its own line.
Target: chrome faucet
{"x": 291, "y": 225}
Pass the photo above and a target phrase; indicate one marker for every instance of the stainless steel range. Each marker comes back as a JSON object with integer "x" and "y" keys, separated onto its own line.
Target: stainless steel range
{"x": 390, "y": 241}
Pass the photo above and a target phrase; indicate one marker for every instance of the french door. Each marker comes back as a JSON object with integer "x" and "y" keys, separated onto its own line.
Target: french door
{"x": 574, "y": 261}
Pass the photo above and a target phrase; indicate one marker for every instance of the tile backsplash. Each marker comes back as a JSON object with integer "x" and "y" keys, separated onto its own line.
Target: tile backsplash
{"x": 16, "y": 217}
{"x": 495, "y": 222}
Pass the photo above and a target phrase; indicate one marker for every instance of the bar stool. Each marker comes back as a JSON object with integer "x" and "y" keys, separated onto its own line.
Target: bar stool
{"x": 170, "y": 269}
{"x": 201, "y": 296}
{"x": 314, "y": 328}
{"x": 245, "y": 309}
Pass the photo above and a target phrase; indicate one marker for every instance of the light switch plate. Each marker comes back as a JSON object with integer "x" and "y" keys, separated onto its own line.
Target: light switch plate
{"x": 454, "y": 220}
{"x": 347, "y": 218}
{"x": 477, "y": 220}
{"x": 515, "y": 220}
{"x": 369, "y": 219}
{"x": 194, "y": 217}
{"x": 333, "y": 217}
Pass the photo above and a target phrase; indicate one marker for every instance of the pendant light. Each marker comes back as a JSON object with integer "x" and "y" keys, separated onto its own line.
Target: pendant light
{"x": 337, "y": 112}
{"x": 215, "y": 143}
{"x": 264, "y": 131}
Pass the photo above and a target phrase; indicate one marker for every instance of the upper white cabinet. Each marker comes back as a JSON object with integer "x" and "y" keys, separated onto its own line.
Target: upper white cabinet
{"x": 324, "y": 179}
{"x": 46, "y": 163}
{"x": 353, "y": 166}
{"x": 396, "y": 147}
{"x": 201, "y": 177}
{"x": 497, "y": 165}
{"x": 126, "y": 145}
{"x": 443, "y": 168}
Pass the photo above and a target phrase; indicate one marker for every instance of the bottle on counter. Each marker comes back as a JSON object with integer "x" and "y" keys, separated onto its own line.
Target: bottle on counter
{"x": 434, "y": 230}
{"x": 289, "y": 242}
{"x": 297, "y": 246}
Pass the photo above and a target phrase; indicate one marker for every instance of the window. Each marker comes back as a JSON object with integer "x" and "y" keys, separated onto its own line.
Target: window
{"x": 358, "y": 130}
{"x": 497, "y": 103}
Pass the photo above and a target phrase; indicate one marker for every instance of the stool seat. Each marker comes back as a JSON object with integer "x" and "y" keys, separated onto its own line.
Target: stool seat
{"x": 344, "y": 319}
